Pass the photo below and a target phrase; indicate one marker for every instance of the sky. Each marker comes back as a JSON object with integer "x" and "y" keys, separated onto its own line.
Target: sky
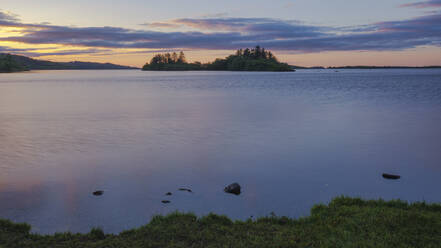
{"x": 299, "y": 32}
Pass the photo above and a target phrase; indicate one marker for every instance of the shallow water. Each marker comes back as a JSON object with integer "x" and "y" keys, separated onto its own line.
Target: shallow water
{"x": 291, "y": 140}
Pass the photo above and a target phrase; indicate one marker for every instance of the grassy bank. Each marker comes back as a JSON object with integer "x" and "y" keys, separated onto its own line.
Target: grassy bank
{"x": 345, "y": 222}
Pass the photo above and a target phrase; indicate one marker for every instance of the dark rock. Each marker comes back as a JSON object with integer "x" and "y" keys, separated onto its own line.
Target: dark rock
{"x": 168, "y": 193}
{"x": 165, "y": 201}
{"x": 98, "y": 192}
{"x": 185, "y": 189}
{"x": 233, "y": 188}
{"x": 391, "y": 176}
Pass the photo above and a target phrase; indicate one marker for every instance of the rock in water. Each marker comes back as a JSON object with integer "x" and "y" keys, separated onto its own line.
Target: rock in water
{"x": 168, "y": 193}
{"x": 185, "y": 189}
{"x": 98, "y": 192}
{"x": 233, "y": 188}
{"x": 390, "y": 176}
{"x": 165, "y": 201}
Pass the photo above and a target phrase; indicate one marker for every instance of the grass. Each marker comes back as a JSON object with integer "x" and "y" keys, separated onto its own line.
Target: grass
{"x": 344, "y": 222}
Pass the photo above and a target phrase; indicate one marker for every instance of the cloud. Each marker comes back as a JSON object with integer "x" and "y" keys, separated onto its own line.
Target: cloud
{"x": 7, "y": 49}
{"x": 277, "y": 28}
{"x": 424, "y": 4}
{"x": 68, "y": 52}
{"x": 216, "y": 15}
{"x": 161, "y": 25}
{"x": 422, "y": 27}
{"x": 36, "y": 52}
{"x": 233, "y": 33}
{"x": 8, "y": 17}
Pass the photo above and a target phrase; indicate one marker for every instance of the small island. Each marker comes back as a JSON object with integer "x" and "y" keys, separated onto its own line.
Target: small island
{"x": 256, "y": 59}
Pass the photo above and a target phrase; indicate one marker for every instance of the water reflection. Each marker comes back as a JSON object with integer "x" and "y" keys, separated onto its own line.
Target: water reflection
{"x": 290, "y": 139}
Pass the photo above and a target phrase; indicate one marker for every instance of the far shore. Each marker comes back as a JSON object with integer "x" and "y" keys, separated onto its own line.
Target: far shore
{"x": 24, "y": 64}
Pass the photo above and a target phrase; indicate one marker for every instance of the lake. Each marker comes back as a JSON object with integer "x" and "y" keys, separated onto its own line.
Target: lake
{"x": 291, "y": 140}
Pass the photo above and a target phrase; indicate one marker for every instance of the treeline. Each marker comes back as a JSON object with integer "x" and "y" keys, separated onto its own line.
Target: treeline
{"x": 9, "y": 64}
{"x": 170, "y": 62}
{"x": 256, "y": 59}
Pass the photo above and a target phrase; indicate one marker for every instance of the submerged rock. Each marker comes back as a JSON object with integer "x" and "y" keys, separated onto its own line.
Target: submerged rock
{"x": 391, "y": 176}
{"x": 168, "y": 193}
{"x": 233, "y": 188}
{"x": 98, "y": 192}
{"x": 185, "y": 189}
{"x": 165, "y": 201}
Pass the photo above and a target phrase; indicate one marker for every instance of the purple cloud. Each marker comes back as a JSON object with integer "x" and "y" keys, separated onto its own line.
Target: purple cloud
{"x": 67, "y": 52}
{"x": 424, "y": 4}
{"x": 7, "y": 49}
{"x": 8, "y": 17}
{"x": 32, "y": 52}
{"x": 234, "y": 33}
{"x": 278, "y": 28}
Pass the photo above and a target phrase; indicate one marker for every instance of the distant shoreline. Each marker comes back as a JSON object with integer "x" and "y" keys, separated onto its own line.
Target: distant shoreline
{"x": 364, "y": 67}
{"x": 296, "y": 68}
{"x": 385, "y": 67}
{"x": 24, "y": 64}
{"x": 17, "y": 63}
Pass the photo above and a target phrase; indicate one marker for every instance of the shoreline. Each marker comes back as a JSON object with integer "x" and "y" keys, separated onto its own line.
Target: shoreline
{"x": 296, "y": 69}
{"x": 345, "y": 221}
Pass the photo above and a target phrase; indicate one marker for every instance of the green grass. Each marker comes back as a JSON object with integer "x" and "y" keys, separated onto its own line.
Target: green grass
{"x": 344, "y": 222}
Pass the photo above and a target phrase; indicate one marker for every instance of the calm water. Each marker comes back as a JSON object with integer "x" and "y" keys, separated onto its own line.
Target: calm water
{"x": 290, "y": 139}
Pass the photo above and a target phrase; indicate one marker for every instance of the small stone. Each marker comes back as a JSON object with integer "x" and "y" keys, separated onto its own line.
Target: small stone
{"x": 98, "y": 192}
{"x": 185, "y": 189}
{"x": 391, "y": 176}
{"x": 233, "y": 188}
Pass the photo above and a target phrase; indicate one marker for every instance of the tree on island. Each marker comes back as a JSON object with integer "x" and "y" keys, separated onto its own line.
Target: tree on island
{"x": 256, "y": 59}
{"x": 170, "y": 62}
{"x": 181, "y": 58}
{"x": 8, "y": 64}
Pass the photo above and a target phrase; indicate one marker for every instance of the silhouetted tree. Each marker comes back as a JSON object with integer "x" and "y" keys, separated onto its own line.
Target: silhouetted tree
{"x": 174, "y": 57}
{"x": 257, "y": 52}
{"x": 168, "y": 59}
{"x": 246, "y": 52}
{"x": 181, "y": 58}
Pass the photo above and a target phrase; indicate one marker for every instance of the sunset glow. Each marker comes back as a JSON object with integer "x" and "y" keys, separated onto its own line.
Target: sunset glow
{"x": 409, "y": 34}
